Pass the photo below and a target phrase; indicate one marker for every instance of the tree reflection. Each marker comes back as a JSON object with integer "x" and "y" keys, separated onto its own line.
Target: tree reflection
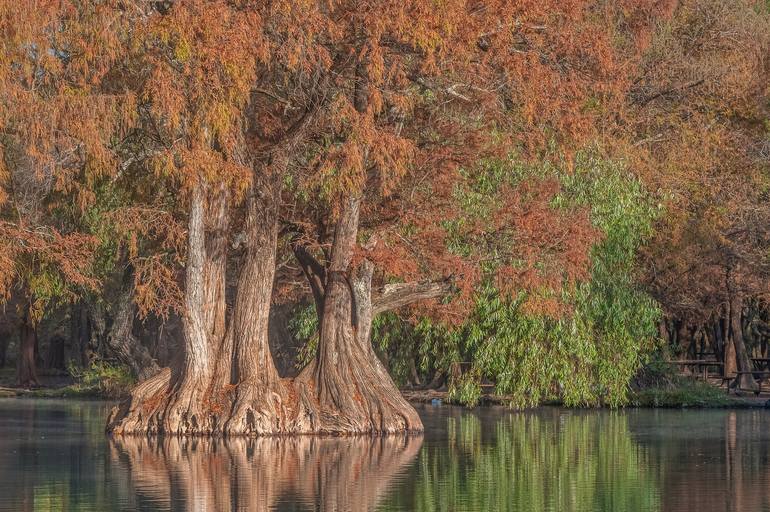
{"x": 553, "y": 460}
{"x": 261, "y": 474}
{"x": 54, "y": 457}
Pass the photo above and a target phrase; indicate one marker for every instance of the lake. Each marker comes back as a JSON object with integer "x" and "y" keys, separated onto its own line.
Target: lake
{"x": 54, "y": 456}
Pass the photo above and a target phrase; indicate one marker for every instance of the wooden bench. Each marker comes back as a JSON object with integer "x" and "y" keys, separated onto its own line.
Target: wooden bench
{"x": 725, "y": 380}
{"x": 702, "y": 365}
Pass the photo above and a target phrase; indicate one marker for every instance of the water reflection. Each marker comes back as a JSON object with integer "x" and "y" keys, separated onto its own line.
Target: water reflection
{"x": 54, "y": 456}
{"x": 261, "y": 474}
{"x": 550, "y": 460}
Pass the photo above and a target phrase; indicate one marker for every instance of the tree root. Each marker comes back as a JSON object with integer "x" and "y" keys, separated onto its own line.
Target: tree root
{"x": 344, "y": 401}
{"x": 260, "y": 409}
{"x": 354, "y": 402}
{"x": 138, "y": 414}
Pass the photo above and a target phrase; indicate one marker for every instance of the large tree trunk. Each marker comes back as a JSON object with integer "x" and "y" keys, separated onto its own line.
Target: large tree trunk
{"x": 228, "y": 383}
{"x": 262, "y": 403}
{"x": 26, "y": 369}
{"x": 186, "y": 412}
{"x": 177, "y": 401}
{"x": 346, "y": 389}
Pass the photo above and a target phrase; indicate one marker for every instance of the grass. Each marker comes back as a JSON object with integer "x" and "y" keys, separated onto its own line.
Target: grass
{"x": 685, "y": 393}
{"x": 658, "y": 384}
{"x": 100, "y": 380}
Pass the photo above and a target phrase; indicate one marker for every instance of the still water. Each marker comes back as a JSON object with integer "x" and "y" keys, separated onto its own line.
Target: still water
{"x": 54, "y": 456}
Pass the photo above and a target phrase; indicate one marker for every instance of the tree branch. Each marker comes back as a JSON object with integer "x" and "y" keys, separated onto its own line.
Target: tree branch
{"x": 314, "y": 272}
{"x": 393, "y": 296}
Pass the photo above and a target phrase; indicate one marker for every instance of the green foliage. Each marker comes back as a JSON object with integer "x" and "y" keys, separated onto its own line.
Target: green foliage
{"x": 685, "y": 393}
{"x": 303, "y": 325}
{"x": 101, "y": 379}
{"x": 585, "y": 357}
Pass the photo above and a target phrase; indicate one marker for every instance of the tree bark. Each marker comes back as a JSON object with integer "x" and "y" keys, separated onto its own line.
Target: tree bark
{"x": 79, "y": 334}
{"x": 54, "y": 356}
{"x": 26, "y": 369}
{"x": 228, "y": 383}
{"x": 731, "y": 363}
{"x": 746, "y": 380}
{"x": 347, "y": 389}
{"x": 262, "y": 399}
{"x": 121, "y": 342}
{"x": 4, "y": 340}
{"x": 185, "y": 412}
{"x": 177, "y": 401}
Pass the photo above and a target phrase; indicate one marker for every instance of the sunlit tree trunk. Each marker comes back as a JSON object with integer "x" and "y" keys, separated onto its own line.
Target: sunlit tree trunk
{"x": 261, "y": 396}
{"x": 179, "y": 400}
{"x": 228, "y": 382}
{"x": 346, "y": 388}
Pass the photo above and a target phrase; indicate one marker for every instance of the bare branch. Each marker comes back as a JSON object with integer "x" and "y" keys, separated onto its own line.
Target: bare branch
{"x": 393, "y": 296}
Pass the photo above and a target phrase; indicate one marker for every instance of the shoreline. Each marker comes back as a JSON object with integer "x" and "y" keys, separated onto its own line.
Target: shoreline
{"x": 686, "y": 396}
{"x": 650, "y": 398}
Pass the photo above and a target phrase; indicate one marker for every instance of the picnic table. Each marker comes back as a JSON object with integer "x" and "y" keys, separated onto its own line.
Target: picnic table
{"x": 759, "y": 375}
{"x": 701, "y": 364}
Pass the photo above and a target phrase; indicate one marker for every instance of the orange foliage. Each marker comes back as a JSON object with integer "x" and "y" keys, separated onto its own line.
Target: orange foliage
{"x": 699, "y": 110}
{"x": 382, "y": 100}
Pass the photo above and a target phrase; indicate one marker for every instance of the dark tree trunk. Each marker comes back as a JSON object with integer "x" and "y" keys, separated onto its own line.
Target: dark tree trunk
{"x": 122, "y": 344}
{"x": 80, "y": 334}
{"x": 26, "y": 369}
{"x": 719, "y": 348}
{"x": 54, "y": 357}
{"x": 746, "y": 380}
{"x": 5, "y": 338}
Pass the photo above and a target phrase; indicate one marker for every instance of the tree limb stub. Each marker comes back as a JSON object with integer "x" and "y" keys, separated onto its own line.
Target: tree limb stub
{"x": 393, "y": 296}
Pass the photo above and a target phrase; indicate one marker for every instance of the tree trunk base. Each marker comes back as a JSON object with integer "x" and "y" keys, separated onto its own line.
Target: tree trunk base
{"x": 253, "y": 409}
{"x": 341, "y": 402}
{"x": 261, "y": 409}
